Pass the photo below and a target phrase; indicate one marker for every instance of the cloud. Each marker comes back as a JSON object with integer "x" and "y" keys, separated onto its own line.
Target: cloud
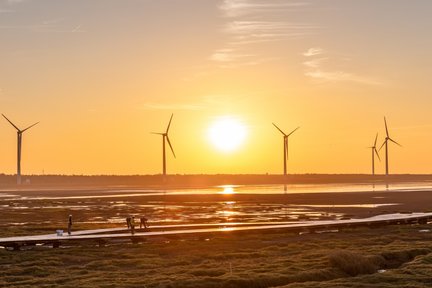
{"x": 77, "y": 29}
{"x": 47, "y": 26}
{"x": 314, "y": 63}
{"x": 228, "y": 55}
{"x": 335, "y": 76}
{"x": 314, "y": 69}
{"x": 313, "y": 52}
{"x": 267, "y": 30}
{"x": 257, "y": 22}
{"x": 236, "y": 8}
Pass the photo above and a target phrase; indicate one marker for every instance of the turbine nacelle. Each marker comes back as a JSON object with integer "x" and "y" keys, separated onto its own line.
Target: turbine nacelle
{"x": 165, "y": 135}
{"x": 19, "y": 131}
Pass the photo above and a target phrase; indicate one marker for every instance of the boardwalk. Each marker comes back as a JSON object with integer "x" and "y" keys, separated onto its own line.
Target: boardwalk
{"x": 103, "y": 235}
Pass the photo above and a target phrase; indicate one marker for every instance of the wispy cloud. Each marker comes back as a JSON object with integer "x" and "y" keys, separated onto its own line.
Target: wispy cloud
{"x": 338, "y": 76}
{"x": 77, "y": 29}
{"x": 262, "y": 31}
{"x": 313, "y": 52}
{"x": 315, "y": 68}
{"x": 228, "y": 55}
{"x": 236, "y": 8}
{"x": 48, "y": 26}
{"x": 257, "y": 22}
{"x": 314, "y": 63}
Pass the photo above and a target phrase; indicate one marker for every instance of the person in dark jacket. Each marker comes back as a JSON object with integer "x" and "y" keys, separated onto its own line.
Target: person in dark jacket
{"x": 128, "y": 222}
{"x": 70, "y": 225}
{"x": 132, "y": 225}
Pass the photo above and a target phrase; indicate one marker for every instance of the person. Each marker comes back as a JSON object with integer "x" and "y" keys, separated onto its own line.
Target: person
{"x": 128, "y": 222}
{"x": 143, "y": 222}
{"x": 132, "y": 225}
{"x": 70, "y": 225}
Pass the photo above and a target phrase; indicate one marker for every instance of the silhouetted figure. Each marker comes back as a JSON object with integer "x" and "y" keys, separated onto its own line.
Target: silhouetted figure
{"x": 143, "y": 222}
{"x": 70, "y": 225}
{"x": 128, "y": 222}
{"x": 132, "y": 225}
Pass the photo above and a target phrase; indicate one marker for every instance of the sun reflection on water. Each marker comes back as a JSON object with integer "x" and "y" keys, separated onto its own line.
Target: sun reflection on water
{"x": 227, "y": 189}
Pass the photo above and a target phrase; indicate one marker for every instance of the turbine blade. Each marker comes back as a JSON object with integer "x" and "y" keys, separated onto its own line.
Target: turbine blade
{"x": 385, "y": 123}
{"x": 395, "y": 142}
{"x": 376, "y": 152}
{"x": 30, "y": 126}
{"x": 293, "y": 131}
{"x": 385, "y": 141}
{"x": 286, "y": 147}
{"x": 169, "y": 124}
{"x": 11, "y": 123}
{"x": 156, "y": 133}
{"x": 279, "y": 129}
{"x": 376, "y": 138}
{"x": 169, "y": 143}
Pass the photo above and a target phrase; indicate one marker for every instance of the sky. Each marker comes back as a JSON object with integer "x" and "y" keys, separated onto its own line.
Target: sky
{"x": 101, "y": 75}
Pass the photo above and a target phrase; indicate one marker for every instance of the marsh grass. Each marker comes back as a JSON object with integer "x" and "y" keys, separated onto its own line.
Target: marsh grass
{"x": 349, "y": 258}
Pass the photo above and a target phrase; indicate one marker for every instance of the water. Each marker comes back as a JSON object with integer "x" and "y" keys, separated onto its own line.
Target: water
{"x": 228, "y": 190}
{"x": 113, "y": 205}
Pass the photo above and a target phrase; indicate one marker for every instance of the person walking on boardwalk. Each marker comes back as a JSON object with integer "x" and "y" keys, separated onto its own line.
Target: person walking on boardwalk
{"x": 70, "y": 225}
{"x": 132, "y": 225}
{"x": 128, "y": 222}
{"x": 143, "y": 222}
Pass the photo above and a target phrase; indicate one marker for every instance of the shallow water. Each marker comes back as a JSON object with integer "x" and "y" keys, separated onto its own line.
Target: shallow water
{"x": 103, "y": 206}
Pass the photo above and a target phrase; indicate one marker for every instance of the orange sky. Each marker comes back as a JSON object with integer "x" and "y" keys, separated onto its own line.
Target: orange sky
{"x": 101, "y": 75}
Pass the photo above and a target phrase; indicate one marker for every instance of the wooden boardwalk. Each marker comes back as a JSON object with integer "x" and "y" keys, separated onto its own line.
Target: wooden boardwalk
{"x": 102, "y": 236}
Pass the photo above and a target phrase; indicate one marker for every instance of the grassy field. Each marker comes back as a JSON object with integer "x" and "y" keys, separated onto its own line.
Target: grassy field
{"x": 349, "y": 258}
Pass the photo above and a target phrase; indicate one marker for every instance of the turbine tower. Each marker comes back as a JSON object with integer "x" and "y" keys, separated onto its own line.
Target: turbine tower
{"x": 386, "y": 146}
{"x": 165, "y": 138}
{"x": 285, "y": 146}
{"x": 19, "y": 134}
{"x": 374, "y": 151}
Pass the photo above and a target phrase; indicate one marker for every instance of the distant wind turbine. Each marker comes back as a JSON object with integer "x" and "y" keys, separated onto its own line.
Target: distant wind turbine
{"x": 374, "y": 151}
{"x": 165, "y": 138}
{"x": 386, "y": 146}
{"x": 285, "y": 152}
{"x": 19, "y": 133}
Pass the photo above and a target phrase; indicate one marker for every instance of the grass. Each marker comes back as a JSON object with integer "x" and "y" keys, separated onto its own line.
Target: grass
{"x": 350, "y": 258}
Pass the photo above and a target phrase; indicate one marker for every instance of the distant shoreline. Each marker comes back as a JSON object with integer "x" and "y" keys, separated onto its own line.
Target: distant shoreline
{"x": 191, "y": 181}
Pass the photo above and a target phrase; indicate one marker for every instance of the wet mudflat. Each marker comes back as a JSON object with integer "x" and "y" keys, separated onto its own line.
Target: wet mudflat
{"x": 28, "y": 211}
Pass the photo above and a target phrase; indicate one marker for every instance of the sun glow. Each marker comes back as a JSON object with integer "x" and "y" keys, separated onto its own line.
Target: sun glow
{"x": 227, "y": 134}
{"x": 227, "y": 189}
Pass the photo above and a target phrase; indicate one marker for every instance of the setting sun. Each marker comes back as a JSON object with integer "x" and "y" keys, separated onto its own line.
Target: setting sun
{"x": 227, "y": 134}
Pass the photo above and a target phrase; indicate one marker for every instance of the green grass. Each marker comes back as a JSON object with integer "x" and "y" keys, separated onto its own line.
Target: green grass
{"x": 350, "y": 258}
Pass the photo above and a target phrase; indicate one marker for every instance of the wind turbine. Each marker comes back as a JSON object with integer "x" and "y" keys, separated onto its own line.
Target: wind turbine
{"x": 386, "y": 145}
{"x": 285, "y": 152}
{"x": 374, "y": 151}
{"x": 19, "y": 134}
{"x": 165, "y": 138}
